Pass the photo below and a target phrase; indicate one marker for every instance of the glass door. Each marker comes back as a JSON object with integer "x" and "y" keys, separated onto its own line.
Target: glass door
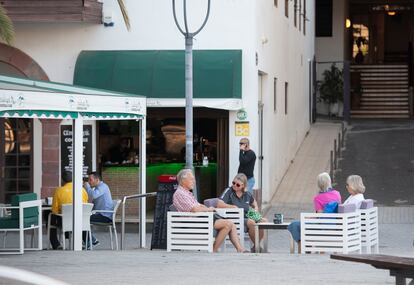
{"x": 16, "y": 157}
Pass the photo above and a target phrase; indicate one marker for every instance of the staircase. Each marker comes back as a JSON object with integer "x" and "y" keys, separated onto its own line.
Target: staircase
{"x": 384, "y": 91}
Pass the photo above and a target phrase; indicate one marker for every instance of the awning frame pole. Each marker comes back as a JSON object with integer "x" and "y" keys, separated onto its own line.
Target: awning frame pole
{"x": 77, "y": 172}
{"x": 142, "y": 203}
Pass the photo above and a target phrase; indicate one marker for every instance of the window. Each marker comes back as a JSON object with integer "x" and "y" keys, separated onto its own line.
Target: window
{"x": 304, "y": 17}
{"x": 300, "y": 14}
{"x": 287, "y": 8}
{"x": 275, "y": 94}
{"x": 275, "y": 3}
{"x": 286, "y": 98}
{"x": 323, "y": 18}
{"x": 295, "y": 13}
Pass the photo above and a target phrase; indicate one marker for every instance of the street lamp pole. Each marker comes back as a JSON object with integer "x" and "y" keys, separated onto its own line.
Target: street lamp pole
{"x": 189, "y": 83}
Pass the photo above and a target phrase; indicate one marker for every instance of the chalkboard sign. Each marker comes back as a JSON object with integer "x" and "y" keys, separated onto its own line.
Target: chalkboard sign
{"x": 167, "y": 184}
{"x": 66, "y": 148}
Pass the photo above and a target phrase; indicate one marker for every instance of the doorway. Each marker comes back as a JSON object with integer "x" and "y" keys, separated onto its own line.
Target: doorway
{"x": 260, "y": 113}
{"x": 16, "y": 157}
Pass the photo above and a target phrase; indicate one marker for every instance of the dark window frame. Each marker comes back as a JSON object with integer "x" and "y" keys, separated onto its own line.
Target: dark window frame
{"x": 323, "y": 18}
{"x": 286, "y": 97}
{"x": 295, "y": 13}
{"x": 275, "y": 94}
{"x": 304, "y": 17}
{"x": 287, "y": 8}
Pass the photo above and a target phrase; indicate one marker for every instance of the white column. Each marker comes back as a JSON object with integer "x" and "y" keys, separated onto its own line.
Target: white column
{"x": 37, "y": 157}
{"x": 77, "y": 155}
{"x": 142, "y": 181}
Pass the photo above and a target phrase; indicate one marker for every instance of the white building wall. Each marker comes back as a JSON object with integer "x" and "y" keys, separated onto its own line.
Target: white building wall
{"x": 283, "y": 52}
{"x": 331, "y": 49}
{"x": 241, "y": 24}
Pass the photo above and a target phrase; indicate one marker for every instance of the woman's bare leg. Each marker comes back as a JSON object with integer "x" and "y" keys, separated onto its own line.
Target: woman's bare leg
{"x": 235, "y": 240}
{"x": 251, "y": 230}
{"x": 223, "y": 228}
{"x": 261, "y": 232}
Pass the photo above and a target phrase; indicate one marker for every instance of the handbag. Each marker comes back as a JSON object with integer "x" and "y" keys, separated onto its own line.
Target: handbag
{"x": 254, "y": 215}
{"x": 331, "y": 207}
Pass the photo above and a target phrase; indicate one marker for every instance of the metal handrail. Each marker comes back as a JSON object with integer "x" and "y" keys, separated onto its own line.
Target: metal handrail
{"x": 136, "y": 196}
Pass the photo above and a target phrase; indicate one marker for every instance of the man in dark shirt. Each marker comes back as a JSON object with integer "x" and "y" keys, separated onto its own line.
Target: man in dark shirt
{"x": 247, "y": 159}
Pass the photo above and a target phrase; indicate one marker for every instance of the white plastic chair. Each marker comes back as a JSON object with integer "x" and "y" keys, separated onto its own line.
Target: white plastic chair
{"x": 236, "y": 215}
{"x": 369, "y": 226}
{"x": 330, "y": 232}
{"x": 190, "y": 231}
{"x": 67, "y": 222}
{"x": 22, "y": 227}
{"x": 111, "y": 226}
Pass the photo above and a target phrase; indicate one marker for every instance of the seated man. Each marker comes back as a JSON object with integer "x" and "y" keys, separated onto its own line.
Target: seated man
{"x": 101, "y": 199}
{"x": 62, "y": 195}
{"x": 184, "y": 201}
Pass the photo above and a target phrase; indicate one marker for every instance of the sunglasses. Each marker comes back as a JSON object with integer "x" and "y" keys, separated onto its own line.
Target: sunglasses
{"x": 241, "y": 143}
{"x": 236, "y": 184}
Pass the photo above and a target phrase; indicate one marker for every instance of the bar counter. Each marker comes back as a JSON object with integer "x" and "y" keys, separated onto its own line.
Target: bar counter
{"x": 123, "y": 180}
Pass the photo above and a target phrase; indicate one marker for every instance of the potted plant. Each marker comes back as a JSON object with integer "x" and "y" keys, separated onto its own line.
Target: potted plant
{"x": 331, "y": 89}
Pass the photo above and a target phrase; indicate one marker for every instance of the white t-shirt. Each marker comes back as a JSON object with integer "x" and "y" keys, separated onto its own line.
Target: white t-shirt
{"x": 355, "y": 199}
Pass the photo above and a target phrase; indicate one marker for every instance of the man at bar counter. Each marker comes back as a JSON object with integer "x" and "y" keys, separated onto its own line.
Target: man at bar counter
{"x": 184, "y": 201}
{"x": 62, "y": 195}
{"x": 102, "y": 201}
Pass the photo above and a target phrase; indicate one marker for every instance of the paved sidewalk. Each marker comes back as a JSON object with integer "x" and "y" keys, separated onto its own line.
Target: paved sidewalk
{"x": 135, "y": 266}
{"x": 298, "y": 187}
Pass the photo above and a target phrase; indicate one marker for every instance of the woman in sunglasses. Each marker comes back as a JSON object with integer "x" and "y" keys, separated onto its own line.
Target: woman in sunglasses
{"x": 237, "y": 196}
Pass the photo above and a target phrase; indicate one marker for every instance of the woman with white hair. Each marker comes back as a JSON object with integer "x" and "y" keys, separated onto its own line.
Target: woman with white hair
{"x": 356, "y": 190}
{"x": 326, "y": 195}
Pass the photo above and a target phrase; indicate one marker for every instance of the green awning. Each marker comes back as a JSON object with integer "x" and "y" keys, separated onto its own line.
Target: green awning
{"x": 161, "y": 74}
{"x": 26, "y": 98}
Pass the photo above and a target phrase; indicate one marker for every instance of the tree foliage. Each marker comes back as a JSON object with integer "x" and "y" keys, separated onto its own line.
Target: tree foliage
{"x": 6, "y": 27}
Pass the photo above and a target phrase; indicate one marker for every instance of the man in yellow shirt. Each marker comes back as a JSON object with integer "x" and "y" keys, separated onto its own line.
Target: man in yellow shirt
{"x": 62, "y": 195}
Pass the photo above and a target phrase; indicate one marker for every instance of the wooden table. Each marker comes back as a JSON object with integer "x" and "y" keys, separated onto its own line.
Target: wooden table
{"x": 400, "y": 267}
{"x": 266, "y": 226}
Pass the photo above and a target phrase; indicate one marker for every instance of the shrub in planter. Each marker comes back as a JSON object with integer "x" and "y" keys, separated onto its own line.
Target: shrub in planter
{"x": 331, "y": 88}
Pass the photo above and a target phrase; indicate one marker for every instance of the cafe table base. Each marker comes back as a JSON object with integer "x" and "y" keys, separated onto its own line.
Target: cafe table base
{"x": 268, "y": 226}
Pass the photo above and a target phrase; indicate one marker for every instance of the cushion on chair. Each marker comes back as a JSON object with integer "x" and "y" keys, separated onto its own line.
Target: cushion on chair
{"x": 367, "y": 204}
{"x": 28, "y": 212}
{"x": 348, "y": 208}
{"x": 211, "y": 202}
{"x": 9, "y": 223}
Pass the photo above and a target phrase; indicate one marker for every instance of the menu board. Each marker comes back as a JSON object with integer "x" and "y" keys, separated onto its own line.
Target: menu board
{"x": 66, "y": 151}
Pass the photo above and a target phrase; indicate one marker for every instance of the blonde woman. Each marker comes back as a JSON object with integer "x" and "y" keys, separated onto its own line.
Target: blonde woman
{"x": 238, "y": 196}
{"x": 356, "y": 190}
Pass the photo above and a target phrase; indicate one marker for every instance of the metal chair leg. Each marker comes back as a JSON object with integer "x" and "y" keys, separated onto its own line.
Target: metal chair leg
{"x": 116, "y": 238}
{"x": 4, "y": 239}
{"x": 90, "y": 240}
{"x": 110, "y": 234}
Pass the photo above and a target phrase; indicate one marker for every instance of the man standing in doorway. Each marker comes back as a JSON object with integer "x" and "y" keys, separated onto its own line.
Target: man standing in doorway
{"x": 247, "y": 159}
